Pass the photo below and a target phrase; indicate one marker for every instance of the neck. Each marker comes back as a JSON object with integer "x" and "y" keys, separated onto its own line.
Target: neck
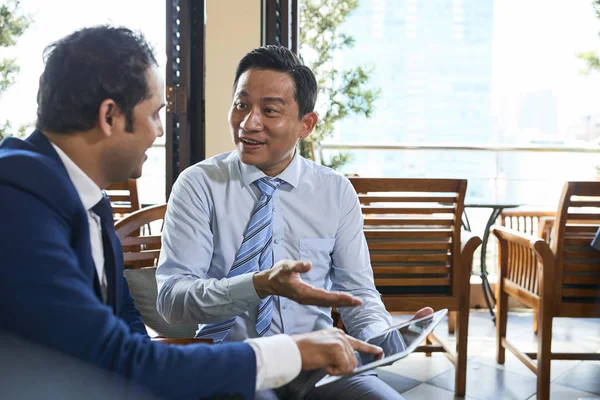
{"x": 278, "y": 168}
{"x": 83, "y": 148}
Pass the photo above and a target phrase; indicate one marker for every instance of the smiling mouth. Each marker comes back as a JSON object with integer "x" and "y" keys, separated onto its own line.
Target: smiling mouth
{"x": 251, "y": 143}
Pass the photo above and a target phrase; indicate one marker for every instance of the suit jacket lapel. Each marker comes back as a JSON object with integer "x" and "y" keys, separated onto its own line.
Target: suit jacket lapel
{"x": 44, "y": 147}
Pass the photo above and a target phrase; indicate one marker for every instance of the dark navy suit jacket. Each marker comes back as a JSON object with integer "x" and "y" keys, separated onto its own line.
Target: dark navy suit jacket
{"x": 49, "y": 291}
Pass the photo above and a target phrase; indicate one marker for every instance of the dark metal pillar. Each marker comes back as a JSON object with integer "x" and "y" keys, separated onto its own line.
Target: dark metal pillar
{"x": 280, "y": 23}
{"x": 185, "y": 135}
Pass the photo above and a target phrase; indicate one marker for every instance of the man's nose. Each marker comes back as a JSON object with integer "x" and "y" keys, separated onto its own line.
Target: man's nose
{"x": 252, "y": 122}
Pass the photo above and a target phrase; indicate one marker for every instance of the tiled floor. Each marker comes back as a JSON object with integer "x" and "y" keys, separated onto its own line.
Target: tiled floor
{"x": 420, "y": 377}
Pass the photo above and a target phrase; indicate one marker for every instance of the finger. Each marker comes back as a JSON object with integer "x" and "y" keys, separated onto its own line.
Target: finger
{"x": 364, "y": 347}
{"x": 299, "y": 266}
{"x": 307, "y": 294}
{"x": 423, "y": 312}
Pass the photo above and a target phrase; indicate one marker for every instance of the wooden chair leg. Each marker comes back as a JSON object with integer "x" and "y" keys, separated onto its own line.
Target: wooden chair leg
{"x": 451, "y": 322}
{"x": 428, "y": 342}
{"x": 501, "y": 321}
{"x": 544, "y": 356}
{"x": 535, "y": 321}
{"x": 460, "y": 383}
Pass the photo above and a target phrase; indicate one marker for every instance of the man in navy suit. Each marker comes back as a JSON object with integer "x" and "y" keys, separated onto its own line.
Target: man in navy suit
{"x": 61, "y": 272}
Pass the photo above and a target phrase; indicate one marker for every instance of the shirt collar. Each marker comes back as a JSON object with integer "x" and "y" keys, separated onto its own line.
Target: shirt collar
{"x": 89, "y": 193}
{"x": 290, "y": 175}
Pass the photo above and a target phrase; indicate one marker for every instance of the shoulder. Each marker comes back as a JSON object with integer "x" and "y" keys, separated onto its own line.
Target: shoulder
{"x": 325, "y": 176}
{"x": 35, "y": 174}
{"x": 212, "y": 170}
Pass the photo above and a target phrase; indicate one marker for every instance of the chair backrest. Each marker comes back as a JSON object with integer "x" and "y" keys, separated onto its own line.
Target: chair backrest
{"x": 141, "y": 247}
{"x": 413, "y": 229}
{"x": 123, "y": 198}
{"x": 577, "y": 262}
{"x": 526, "y": 221}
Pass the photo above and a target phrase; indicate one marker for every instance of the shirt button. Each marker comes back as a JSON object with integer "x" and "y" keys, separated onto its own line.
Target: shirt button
{"x": 276, "y": 241}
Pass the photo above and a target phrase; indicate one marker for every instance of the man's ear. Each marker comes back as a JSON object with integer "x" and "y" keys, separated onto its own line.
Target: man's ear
{"x": 108, "y": 114}
{"x": 309, "y": 121}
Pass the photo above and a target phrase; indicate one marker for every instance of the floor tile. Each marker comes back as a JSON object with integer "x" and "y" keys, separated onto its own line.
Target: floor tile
{"x": 400, "y": 383}
{"x": 428, "y": 392}
{"x": 514, "y": 365}
{"x": 421, "y": 368}
{"x": 485, "y": 382}
{"x": 585, "y": 376}
{"x": 560, "y": 392}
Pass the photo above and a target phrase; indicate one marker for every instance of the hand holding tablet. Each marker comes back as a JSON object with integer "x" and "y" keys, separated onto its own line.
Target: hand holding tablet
{"x": 397, "y": 342}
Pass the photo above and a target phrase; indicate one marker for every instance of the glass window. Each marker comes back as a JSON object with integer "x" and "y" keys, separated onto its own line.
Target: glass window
{"x": 55, "y": 19}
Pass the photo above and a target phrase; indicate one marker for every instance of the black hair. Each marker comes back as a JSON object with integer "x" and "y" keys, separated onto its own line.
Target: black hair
{"x": 279, "y": 58}
{"x": 87, "y": 67}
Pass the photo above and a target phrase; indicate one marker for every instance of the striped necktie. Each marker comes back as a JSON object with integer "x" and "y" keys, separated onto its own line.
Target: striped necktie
{"x": 255, "y": 254}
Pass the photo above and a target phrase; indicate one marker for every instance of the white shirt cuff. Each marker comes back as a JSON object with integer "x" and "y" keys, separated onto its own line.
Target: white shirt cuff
{"x": 278, "y": 360}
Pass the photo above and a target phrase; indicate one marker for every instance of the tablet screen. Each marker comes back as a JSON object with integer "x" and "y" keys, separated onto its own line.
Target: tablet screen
{"x": 398, "y": 338}
{"x": 396, "y": 341}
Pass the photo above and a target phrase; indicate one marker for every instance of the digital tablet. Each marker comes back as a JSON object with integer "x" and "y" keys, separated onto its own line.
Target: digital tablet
{"x": 397, "y": 342}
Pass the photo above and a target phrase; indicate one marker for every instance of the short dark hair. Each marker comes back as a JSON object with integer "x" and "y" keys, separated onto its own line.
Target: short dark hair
{"x": 279, "y": 58}
{"x": 87, "y": 67}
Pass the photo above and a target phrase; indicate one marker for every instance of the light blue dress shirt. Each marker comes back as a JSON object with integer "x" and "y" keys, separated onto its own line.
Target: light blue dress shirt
{"x": 316, "y": 217}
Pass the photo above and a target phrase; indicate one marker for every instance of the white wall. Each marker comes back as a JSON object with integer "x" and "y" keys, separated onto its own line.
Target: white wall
{"x": 232, "y": 29}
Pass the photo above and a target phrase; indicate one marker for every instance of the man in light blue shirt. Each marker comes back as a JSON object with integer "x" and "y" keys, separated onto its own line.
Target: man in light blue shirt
{"x": 218, "y": 206}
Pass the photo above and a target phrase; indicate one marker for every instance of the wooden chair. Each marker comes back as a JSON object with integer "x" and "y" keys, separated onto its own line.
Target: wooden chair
{"x": 537, "y": 223}
{"x": 531, "y": 222}
{"x": 140, "y": 253}
{"x": 413, "y": 230}
{"x": 123, "y": 198}
{"x": 557, "y": 280}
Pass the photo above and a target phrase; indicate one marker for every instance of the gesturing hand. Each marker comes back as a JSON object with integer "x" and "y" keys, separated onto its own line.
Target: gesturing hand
{"x": 333, "y": 350}
{"x": 284, "y": 279}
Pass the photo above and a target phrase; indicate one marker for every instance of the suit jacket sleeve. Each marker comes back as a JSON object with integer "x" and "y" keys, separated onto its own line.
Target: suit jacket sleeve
{"x": 129, "y": 312}
{"x": 48, "y": 299}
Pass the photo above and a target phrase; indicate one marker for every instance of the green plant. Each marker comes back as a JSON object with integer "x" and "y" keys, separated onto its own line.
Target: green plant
{"x": 341, "y": 92}
{"x": 12, "y": 25}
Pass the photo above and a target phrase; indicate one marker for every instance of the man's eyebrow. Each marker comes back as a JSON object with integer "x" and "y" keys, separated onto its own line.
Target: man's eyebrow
{"x": 269, "y": 99}
{"x": 273, "y": 100}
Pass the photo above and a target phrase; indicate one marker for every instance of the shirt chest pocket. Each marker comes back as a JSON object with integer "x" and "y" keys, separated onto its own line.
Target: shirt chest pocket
{"x": 318, "y": 252}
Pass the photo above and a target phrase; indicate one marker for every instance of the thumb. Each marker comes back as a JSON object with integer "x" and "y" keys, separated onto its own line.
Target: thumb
{"x": 300, "y": 266}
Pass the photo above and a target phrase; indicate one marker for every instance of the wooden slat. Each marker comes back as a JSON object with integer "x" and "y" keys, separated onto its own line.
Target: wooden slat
{"x": 409, "y": 221}
{"x": 581, "y": 280}
{"x": 407, "y": 210}
{"x": 396, "y": 245}
{"x": 366, "y": 199}
{"x": 143, "y": 255}
{"x": 366, "y": 185}
{"x": 409, "y": 257}
{"x": 578, "y": 240}
{"x": 412, "y": 269}
{"x": 588, "y": 253}
{"x": 412, "y": 281}
{"x": 137, "y": 240}
{"x": 581, "y": 228}
{"x": 582, "y": 217}
{"x": 120, "y": 197}
{"x": 571, "y": 292}
{"x": 407, "y": 233}
{"x": 581, "y": 267}
{"x": 589, "y": 189}
{"x": 584, "y": 203}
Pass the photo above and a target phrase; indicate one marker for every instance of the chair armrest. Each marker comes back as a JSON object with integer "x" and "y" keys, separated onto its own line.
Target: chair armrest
{"x": 181, "y": 341}
{"x": 469, "y": 242}
{"x": 519, "y": 256}
{"x": 545, "y": 227}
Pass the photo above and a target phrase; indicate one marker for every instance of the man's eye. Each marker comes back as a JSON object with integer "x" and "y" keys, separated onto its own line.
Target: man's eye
{"x": 240, "y": 106}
